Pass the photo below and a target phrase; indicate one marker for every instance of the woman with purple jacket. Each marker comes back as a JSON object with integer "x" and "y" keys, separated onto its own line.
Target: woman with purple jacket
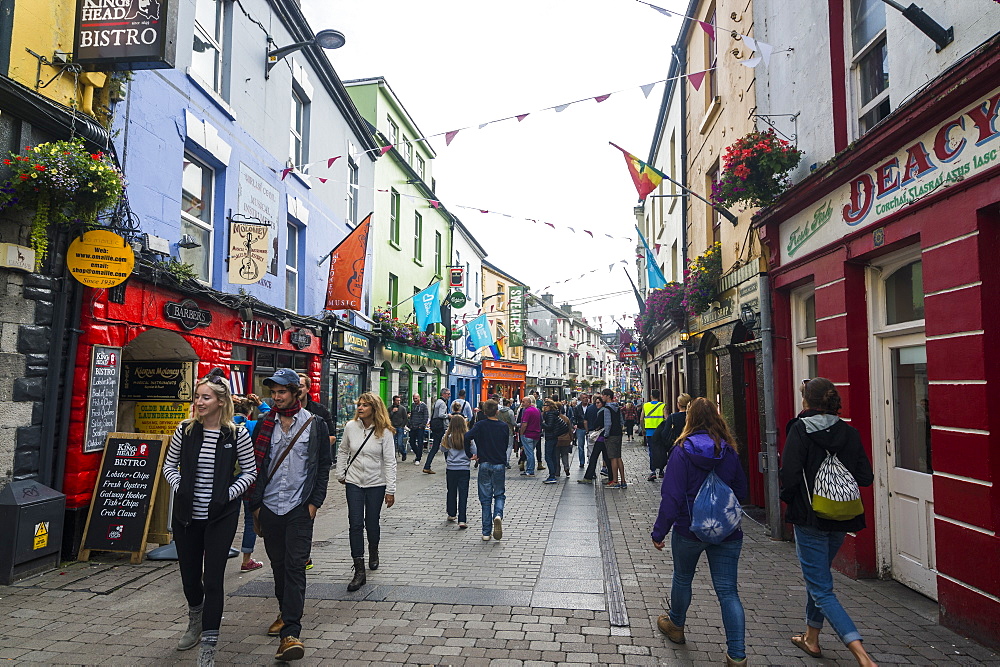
{"x": 704, "y": 445}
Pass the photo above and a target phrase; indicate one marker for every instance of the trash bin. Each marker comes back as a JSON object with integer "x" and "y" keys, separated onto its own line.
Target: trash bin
{"x": 33, "y": 514}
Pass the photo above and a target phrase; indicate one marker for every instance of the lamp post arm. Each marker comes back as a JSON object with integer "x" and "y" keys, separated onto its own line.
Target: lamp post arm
{"x": 274, "y": 56}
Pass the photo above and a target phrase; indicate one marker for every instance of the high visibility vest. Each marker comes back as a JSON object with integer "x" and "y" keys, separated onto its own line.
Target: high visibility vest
{"x": 652, "y": 414}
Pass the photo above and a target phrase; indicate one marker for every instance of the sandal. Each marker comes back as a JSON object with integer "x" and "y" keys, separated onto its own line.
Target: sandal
{"x": 800, "y": 641}
{"x": 252, "y": 564}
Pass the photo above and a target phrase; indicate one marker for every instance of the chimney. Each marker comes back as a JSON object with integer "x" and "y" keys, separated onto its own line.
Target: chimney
{"x": 566, "y": 308}
{"x": 547, "y": 298}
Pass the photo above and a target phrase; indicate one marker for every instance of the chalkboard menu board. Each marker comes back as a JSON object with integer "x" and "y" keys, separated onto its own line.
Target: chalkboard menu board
{"x": 102, "y": 396}
{"x": 157, "y": 380}
{"x": 119, "y": 511}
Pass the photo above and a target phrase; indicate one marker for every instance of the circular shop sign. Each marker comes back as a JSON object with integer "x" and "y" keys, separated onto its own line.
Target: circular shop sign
{"x": 457, "y": 300}
{"x": 100, "y": 259}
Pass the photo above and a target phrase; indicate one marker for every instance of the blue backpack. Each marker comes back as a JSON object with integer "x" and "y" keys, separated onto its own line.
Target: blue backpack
{"x": 716, "y": 512}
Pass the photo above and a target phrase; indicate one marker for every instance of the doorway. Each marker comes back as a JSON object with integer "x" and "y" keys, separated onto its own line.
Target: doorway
{"x": 750, "y": 402}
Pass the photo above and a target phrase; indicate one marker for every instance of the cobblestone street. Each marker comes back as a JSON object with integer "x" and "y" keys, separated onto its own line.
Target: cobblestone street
{"x": 541, "y": 595}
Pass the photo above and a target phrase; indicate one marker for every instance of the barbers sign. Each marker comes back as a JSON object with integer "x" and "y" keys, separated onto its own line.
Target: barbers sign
{"x": 126, "y": 34}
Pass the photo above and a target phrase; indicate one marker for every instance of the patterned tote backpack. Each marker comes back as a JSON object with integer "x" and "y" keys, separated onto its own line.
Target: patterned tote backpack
{"x": 835, "y": 494}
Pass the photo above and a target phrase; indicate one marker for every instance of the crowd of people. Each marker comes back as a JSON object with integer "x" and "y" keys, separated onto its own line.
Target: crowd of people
{"x": 278, "y": 466}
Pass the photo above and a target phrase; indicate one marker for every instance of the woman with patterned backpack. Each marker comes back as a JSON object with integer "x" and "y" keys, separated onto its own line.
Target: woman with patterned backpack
{"x": 823, "y": 464}
{"x": 705, "y": 457}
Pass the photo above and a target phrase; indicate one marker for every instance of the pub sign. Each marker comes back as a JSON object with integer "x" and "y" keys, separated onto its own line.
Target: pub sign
{"x": 126, "y": 34}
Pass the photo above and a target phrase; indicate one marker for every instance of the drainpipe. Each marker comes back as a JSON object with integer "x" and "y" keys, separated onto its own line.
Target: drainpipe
{"x": 770, "y": 453}
{"x": 681, "y": 55}
{"x": 69, "y": 374}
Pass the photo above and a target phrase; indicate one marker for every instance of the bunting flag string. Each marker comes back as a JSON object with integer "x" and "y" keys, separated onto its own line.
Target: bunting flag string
{"x": 582, "y": 275}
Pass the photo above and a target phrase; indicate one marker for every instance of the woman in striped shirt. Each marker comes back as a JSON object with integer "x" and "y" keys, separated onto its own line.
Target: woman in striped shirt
{"x": 200, "y": 467}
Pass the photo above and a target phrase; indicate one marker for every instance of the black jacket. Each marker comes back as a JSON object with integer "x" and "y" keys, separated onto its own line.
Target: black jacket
{"x": 805, "y": 451}
{"x": 318, "y": 462}
{"x": 552, "y": 425}
{"x": 322, "y": 412}
{"x": 224, "y": 475}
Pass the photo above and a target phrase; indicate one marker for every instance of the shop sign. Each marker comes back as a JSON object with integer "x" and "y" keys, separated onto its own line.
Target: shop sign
{"x": 963, "y": 146}
{"x": 515, "y": 307}
{"x": 345, "y": 367}
{"x": 355, "y": 344}
{"x": 261, "y": 332}
{"x": 100, "y": 259}
{"x": 160, "y": 416}
{"x": 102, "y": 396}
{"x": 457, "y": 300}
{"x": 187, "y": 314}
{"x": 126, "y": 34}
{"x": 300, "y": 339}
{"x": 553, "y": 382}
{"x": 247, "y": 251}
{"x": 457, "y": 279}
{"x": 256, "y": 201}
{"x": 157, "y": 381}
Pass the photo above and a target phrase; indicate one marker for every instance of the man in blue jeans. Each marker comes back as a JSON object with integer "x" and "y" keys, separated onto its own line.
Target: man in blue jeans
{"x": 490, "y": 436}
{"x": 579, "y": 421}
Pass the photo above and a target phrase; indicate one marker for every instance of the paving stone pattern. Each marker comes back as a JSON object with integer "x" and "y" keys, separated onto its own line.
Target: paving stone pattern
{"x": 444, "y": 597}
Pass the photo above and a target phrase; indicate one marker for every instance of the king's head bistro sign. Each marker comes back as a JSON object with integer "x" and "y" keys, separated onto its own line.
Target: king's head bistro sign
{"x": 963, "y": 146}
{"x": 126, "y": 34}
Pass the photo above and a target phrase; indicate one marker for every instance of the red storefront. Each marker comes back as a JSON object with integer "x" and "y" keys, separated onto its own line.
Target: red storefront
{"x": 503, "y": 378}
{"x": 160, "y": 329}
{"x": 884, "y": 271}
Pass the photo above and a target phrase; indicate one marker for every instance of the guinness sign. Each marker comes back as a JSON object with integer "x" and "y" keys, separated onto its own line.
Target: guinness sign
{"x": 187, "y": 314}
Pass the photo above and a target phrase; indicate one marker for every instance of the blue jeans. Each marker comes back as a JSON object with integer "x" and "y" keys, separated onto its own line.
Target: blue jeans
{"x": 492, "y": 477}
{"x": 581, "y": 444}
{"x": 816, "y": 550}
{"x": 364, "y": 506}
{"x": 249, "y": 537}
{"x": 528, "y": 447}
{"x": 551, "y": 460}
{"x": 400, "y": 438}
{"x": 723, "y": 563}
{"x": 458, "y": 492}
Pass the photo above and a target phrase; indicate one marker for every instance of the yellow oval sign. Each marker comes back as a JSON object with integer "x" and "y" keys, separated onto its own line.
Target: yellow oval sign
{"x": 100, "y": 259}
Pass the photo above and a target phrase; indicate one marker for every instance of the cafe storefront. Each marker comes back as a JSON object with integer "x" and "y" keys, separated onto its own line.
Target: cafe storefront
{"x": 503, "y": 378}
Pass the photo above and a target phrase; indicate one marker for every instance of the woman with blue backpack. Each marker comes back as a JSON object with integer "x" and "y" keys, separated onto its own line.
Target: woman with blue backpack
{"x": 701, "y": 484}
{"x": 822, "y": 465}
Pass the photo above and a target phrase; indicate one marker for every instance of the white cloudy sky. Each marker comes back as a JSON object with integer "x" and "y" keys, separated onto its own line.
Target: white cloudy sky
{"x": 456, "y": 63}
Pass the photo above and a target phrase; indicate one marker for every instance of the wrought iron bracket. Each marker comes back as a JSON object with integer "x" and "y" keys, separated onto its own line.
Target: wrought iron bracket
{"x": 794, "y": 137}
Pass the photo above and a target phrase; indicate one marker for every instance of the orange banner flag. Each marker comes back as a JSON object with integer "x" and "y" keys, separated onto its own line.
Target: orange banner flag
{"x": 347, "y": 269}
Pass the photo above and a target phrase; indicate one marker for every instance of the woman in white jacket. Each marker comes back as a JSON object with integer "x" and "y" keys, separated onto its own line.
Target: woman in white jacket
{"x": 366, "y": 464}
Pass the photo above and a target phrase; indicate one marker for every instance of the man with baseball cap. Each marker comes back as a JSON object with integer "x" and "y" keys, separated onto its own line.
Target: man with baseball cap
{"x": 292, "y": 449}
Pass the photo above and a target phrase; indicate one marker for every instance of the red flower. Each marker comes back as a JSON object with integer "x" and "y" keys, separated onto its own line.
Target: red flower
{"x": 40, "y": 167}
{"x": 6, "y": 161}
{"x": 24, "y": 177}
{"x": 95, "y": 156}
{"x": 27, "y": 148}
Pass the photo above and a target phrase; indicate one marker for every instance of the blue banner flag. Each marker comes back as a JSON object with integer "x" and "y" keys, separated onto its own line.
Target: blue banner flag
{"x": 427, "y": 306}
{"x": 654, "y": 277}
{"x": 480, "y": 334}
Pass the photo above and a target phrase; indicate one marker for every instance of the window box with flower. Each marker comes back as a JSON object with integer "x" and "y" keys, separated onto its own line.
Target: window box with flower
{"x": 64, "y": 183}
{"x": 407, "y": 333}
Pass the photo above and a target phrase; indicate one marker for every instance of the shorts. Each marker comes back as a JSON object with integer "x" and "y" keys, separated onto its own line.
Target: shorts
{"x": 613, "y": 446}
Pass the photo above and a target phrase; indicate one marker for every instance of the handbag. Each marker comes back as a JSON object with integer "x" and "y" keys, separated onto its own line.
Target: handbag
{"x": 566, "y": 436}
{"x": 257, "y": 528}
{"x": 363, "y": 443}
{"x": 592, "y": 436}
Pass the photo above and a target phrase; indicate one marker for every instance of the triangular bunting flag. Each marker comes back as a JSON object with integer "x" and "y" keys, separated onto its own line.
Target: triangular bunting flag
{"x": 521, "y": 117}
{"x": 550, "y": 225}
{"x": 601, "y": 98}
{"x": 483, "y": 210}
{"x": 322, "y": 180}
{"x": 765, "y": 51}
{"x": 562, "y": 107}
{"x": 448, "y": 136}
{"x": 571, "y": 229}
{"x": 435, "y": 203}
{"x": 750, "y": 42}
{"x": 386, "y": 149}
{"x": 647, "y": 89}
{"x": 696, "y": 78}
{"x": 587, "y": 231}
{"x": 665, "y": 12}
{"x": 751, "y": 62}
{"x": 708, "y": 28}
{"x": 285, "y": 172}
{"x": 483, "y": 125}
{"x": 330, "y": 161}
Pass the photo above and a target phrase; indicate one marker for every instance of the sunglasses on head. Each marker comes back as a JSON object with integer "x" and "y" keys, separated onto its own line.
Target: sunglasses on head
{"x": 216, "y": 379}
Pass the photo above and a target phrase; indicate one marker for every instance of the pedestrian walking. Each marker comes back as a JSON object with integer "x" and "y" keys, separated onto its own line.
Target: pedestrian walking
{"x": 458, "y": 458}
{"x": 368, "y": 470}
{"x": 506, "y": 415}
{"x": 293, "y": 457}
{"x": 242, "y": 408}
{"x": 564, "y": 443}
{"x": 200, "y": 467}
{"x": 706, "y": 446}
{"x": 630, "y": 414}
{"x": 466, "y": 407}
{"x": 552, "y": 427}
{"x": 321, "y": 412}
{"x": 817, "y": 438}
{"x": 612, "y": 426}
{"x": 439, "y": 422}
{"x": 597, "y": 450}
{"x": 419, "y": 416}
{"x": 665, "y": 436}
{"x": 652, "y": 417}
{"x": 531, "y": 432}
{"x": 490, "y": 438}
{"x": 398, "y": 416}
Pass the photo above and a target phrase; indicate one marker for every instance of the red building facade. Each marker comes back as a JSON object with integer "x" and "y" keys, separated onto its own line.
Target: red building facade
{"x": 884, "y": 276}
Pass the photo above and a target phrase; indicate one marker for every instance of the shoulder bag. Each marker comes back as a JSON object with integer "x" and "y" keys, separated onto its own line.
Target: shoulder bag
{"x": 256, "y": 515}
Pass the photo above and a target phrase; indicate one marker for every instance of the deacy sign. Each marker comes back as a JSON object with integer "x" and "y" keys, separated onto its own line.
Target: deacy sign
{"x": 126, "y": 34}
{"x": 965, "y": 145}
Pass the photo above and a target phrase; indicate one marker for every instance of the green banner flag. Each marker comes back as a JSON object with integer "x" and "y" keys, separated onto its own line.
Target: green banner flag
{"x": 515, "y": 310}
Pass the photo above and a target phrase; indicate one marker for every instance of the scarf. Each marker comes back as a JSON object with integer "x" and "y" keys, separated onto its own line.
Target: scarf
{"x": 262, "y": 440}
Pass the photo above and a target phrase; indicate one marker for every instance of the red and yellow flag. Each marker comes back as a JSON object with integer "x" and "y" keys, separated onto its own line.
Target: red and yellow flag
{"x": 645, "y": 177}
{"x": 347, "y": 269}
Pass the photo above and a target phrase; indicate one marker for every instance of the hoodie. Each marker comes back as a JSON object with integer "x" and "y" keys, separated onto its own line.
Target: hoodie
{"x": 809, "y": 437}
{"x": 686, "y": 471}
{"x": 610, "y": 416}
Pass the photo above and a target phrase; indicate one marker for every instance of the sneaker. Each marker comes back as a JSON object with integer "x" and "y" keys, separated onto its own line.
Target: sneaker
{"x": 404, "y": 457}
{"x": 508, "y": 466}
{"x": 417, "y": 462}
{"x": 623, "y": 485}
{"x": 567, "y": 473}
{"x": 290, "y": 649}
{"x": 463, "y": 526}
{"x": 451, "y": 519}
{"x": 585, "y": 480}
{"x": 604, "y": 472}
{"x": 497, "y": 527}
{"x": 541, "y": 467}
{"x": 528, "y": 474}
{"x": 551, "y": 480}
{"x": 309, "y": 564}
{"x": 524, "y": 474}
{"x": 486, "y": 538}
{"x": 275, "y": 628}
{"x": 250, "y": 565}
{"x": 652, "y": 477}
{"x": 660, "y": 474}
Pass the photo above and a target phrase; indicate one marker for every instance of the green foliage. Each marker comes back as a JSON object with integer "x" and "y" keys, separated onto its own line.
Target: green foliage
{"x": 754, "y": 170}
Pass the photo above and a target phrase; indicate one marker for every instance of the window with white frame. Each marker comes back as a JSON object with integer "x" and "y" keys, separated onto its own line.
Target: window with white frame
{"x": 197, "y": 186}
{"x": 804, "y": 336}
{"x": 438, "y": 259}
{"x": 298, "y": 149}
{"x": 292, "y": 244}
{"x": 421, "y": 167}
{"x": 418, "y": 237}
{"x": 352, "y": 192}
{"x": 393, "y": 130}
{"x": 394, "y": 218}
{"x": 407, "y": 149}
{"x": 869, "y": 62}
{"x": 206, "y": 51}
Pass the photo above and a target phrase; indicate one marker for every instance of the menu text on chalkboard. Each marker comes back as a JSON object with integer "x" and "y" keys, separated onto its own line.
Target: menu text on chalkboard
{"x": 119, "y": 512}
{"x": 157, "y": 380}
{"x": 102, "y": 396}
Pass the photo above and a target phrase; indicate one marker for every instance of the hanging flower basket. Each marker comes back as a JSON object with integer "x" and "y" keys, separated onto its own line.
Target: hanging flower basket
{"x": 754, "y": 170}
{"x": 701, "y": 280}
{"x": 64, "y": 183}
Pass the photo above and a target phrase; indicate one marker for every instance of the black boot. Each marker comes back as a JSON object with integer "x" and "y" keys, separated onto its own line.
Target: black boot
{"x": 373, "y": 557}
{"x": 359, "y": 575}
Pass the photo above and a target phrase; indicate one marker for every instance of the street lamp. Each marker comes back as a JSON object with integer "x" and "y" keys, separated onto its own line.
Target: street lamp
{"x": 326, "y": 39}
{"x": 942, "y": 36}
